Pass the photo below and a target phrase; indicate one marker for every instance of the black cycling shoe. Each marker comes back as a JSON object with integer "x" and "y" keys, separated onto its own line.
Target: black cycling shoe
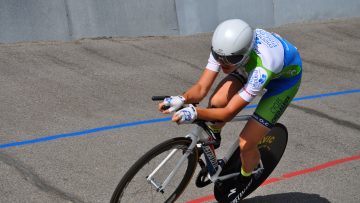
{"x": 232, "y": 190}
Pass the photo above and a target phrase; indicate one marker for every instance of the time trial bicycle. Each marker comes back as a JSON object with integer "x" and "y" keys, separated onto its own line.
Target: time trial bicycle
{"x": 163, "y": 173}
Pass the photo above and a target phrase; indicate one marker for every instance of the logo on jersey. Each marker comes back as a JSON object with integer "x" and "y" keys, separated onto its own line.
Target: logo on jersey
{"x": 258, "y": 78}
{"x": 257, "y": 40}
{"x": 279, "y": 107}
{"x": 266, "y": 38}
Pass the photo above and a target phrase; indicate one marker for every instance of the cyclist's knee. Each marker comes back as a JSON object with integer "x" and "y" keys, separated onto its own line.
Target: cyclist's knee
{"x": 247, "y": 145}
{"x": 251, "y": 135}
{"x": 224, "y": 92}
{"x": 218, "y": 101}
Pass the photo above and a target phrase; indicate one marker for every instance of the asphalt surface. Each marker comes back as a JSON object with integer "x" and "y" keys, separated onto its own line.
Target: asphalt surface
{"x": 52, "y": 89}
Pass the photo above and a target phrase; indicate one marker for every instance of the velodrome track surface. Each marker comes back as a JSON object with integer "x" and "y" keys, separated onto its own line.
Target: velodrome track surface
{"x": 75, "y": 115}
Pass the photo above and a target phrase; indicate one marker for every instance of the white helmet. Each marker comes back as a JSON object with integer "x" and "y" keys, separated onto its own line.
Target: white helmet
{"x": 232, "y": 42}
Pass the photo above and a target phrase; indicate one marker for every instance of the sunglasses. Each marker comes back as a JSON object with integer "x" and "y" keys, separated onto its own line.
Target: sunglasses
{"x": 227, "y": 60}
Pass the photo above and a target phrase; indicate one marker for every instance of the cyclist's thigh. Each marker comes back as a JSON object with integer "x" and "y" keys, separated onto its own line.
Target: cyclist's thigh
{"x": 252, "y": 134}
{"x": 273, "y": 104}
{"x": 226, "y": 89}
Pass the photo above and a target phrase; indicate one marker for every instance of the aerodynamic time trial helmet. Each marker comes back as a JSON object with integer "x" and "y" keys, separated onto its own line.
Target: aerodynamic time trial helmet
{"x": 232, "y": 42}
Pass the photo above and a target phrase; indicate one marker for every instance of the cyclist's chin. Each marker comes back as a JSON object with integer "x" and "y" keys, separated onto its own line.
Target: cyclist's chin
{"x": 228, "y": 69}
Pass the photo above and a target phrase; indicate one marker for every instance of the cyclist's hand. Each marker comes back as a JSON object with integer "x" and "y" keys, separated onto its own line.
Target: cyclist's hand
{"x": 185, "y": 116}
{"x": 174, "y": 102}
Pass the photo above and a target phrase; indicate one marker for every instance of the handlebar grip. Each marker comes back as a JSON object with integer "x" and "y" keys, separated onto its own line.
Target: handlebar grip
{"x": 158, "y": 98}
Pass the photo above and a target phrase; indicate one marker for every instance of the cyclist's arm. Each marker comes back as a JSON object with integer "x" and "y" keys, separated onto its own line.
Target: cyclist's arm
{"x": 198, "y": 91}
{"x": 236, "y": 104}
{"x": 258, "y": 78}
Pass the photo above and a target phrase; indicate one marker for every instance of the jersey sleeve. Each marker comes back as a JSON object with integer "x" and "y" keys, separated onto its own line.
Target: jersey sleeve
{"x": 270, "y": 50}
{"x": 268, "y": 61}
{"x": 258, "y": 79}
{"x": 213, "y": 64}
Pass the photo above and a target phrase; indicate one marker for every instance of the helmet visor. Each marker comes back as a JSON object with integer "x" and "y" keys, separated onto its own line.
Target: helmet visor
{"x": 227, "y": 60}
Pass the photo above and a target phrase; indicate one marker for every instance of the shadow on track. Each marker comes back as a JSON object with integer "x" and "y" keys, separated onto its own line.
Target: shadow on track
{"x": 293, "y": 197}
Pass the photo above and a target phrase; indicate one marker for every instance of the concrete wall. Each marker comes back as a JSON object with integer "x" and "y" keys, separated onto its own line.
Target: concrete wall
{"x": 204, "y": 15}
{"x": 28, "y": 20}
{"x": 32, "y": 20}
{"x": 24, "y": 20}
{"x": 305, "y": 10}
{"x": 91, "y": 18}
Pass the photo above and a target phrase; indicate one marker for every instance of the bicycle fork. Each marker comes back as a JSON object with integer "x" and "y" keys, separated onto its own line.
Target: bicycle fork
{"x": 160, "y": 187}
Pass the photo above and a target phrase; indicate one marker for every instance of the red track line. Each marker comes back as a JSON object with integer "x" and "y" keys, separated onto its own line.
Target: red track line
{"x": 202, "y": 199}
{"x": 290, "y": 175}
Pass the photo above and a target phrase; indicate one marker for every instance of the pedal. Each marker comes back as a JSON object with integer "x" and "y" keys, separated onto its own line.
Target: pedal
{"x": 202, "y": 180}
{"x": 258, "y": 171}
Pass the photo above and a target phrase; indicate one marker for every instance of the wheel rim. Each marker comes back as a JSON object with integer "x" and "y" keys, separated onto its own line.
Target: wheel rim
{"x": 139, "y": 190}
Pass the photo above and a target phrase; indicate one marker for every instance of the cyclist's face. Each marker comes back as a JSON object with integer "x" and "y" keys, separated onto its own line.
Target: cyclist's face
{"x": 227, "y": 69}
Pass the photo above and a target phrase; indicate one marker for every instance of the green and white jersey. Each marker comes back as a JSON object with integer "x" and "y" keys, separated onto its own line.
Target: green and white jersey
{"x": 272, "y": 57}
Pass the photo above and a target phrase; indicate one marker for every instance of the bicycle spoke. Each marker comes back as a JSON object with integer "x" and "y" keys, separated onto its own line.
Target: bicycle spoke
{"x": 137, "y": 188}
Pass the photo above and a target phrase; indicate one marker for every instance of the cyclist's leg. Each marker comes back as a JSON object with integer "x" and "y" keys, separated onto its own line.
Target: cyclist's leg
{"x": 225, "y": 90}
{"x": 250, "y": 136}
{"x": 223, "y": 93}
{"x": 267, "y": 113}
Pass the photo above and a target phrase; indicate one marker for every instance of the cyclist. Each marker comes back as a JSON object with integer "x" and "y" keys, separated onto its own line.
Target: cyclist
{"x": 256, "y": 62}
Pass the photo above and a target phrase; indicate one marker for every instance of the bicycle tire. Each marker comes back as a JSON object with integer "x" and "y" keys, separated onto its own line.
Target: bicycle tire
{"x": 152, "y": 154}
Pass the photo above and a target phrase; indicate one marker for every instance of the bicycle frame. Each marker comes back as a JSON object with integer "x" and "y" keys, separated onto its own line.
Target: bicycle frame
{"x": 197, "y": 135}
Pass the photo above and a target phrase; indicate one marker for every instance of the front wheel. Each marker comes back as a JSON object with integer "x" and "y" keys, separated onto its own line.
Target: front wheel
{"x": 135, "y": 186}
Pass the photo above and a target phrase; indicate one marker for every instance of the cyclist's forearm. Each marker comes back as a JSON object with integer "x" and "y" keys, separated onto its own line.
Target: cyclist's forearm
{"x": 215, "y": 114}
{"x": 225, "y": 114}
{"x": 195, "y": 94}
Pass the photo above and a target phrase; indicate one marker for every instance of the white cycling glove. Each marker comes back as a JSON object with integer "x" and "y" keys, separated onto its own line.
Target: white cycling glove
{"x": 188, "y": 115}
{"x": 174, "y": 102}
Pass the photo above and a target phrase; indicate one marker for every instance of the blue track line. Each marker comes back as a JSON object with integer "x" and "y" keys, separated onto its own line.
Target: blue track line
{"x": 125, "y": 125}
{"x": 85, "y": 132}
